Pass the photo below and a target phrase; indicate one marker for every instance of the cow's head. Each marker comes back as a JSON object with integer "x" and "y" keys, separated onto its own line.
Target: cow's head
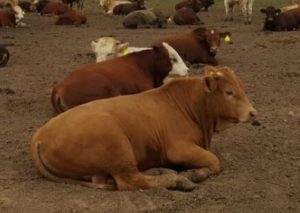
{"x": 169, "y": 60}
{"x": 106, "y": 4}
{"x": 271, "y": 13}
{"x": 226, "y": 97}
{"x": 212, "y": 38}
{"x": 162, "y": 19}
{"x": 107, "y": 48}
{"x": 19, "y": 13}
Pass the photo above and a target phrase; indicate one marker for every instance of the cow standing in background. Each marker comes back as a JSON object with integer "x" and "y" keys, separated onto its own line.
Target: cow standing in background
{"x": 246, "y": 6}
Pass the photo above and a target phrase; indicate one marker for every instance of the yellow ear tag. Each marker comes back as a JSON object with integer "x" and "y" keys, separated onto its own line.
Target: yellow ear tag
{"x": 227, "y": 39}
{"x": 125, "y": 51}
{"x": 169, "y": 19}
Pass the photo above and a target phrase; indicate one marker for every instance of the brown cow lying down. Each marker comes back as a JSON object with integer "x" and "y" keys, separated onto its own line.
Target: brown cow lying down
{"x": 186, "y": 16}
{"x": 71, "y": 17}
{"x": 133, "y": 73}
{"x": 145, "y": 18}
{"x": 54, "y": 8}
{"x": 199, "y": 46}
{"x": 277, "y": 21}
{"x": 122, "y": 136}
{"x": 195, "y": 5}
{"x": 124, "y": 9}
{"x": 7, "y": 18}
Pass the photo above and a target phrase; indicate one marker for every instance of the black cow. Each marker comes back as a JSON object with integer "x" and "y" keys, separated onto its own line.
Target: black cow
{"x": 277, "y": 21}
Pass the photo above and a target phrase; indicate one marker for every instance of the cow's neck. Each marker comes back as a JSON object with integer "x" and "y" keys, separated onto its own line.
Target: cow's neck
{"x": 148, "y": 66}
{"x": 190, "y": 98}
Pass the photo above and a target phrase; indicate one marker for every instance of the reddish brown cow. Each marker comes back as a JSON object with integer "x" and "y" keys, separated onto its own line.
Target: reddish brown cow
{"x": 122, "y": 136}
{"x": 54, "y": 8}
{"x": 186, "y": 16}
{"x": 7, "y": 18}
{"x": 133, "y": 73}
{"x": 199, "y": 46}
{"x": 71, "y": 17}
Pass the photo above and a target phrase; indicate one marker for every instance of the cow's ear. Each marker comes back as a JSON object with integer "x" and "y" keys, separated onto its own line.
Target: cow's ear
{"x": 213, "y": 75}
{"x": 263, "y": 10}
{"x": 157, "y": 48}
{"x": 224, "y": 34}
{"x": 210, "y": 84}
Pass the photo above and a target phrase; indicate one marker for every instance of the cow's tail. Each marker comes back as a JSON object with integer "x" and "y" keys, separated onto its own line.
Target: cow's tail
{"x": 57, "y": 101}
{"x": 42, "y": 167}
{"x": 35, "y": 153}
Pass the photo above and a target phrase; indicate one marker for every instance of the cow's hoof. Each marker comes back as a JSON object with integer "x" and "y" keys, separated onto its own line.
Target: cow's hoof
{"x": 196, "y": 175}
{"x": 184, "y": 184}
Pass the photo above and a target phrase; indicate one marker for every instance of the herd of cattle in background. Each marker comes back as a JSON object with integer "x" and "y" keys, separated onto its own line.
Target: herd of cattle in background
{"x": 112, "y": 126}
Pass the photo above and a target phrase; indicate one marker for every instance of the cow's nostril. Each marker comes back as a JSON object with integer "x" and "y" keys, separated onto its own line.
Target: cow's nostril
{"x": 253, "y": 113}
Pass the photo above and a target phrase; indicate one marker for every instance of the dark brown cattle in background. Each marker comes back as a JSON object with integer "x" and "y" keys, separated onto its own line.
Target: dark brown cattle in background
{"x": 133, "y": 73}
{"x": 281, "y": 21}
{"x": 54, "y": 8}
{"x": 7, "y": 18}
{"x": 71, "y": 17}
{"x": 186, "y": 16}
{"x": 199, "y": 46}
{"x": 195, "y": 5}
{"x": 79, "y": 3}
{"x": 26, "y": 6}
{"x": 124, "y": 9}
{"x": 120, "y": 137}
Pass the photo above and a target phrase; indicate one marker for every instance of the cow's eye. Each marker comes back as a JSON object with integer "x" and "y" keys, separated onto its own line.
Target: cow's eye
{"x": 229, "y": 93}
{"x": 174, "y": 60}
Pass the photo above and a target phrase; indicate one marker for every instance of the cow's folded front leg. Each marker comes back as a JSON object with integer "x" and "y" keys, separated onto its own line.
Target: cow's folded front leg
{"x": 202, "y": 163}
{"x": 159, "y": 171}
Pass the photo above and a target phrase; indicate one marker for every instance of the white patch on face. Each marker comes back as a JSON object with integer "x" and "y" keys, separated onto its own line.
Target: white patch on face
{"x": 212, "y": 32}
{"x": 35, "y": 2}
{"x": 19, "y": 13}
{"x": 105, "y": 48}
{"x": 178, "y": 66}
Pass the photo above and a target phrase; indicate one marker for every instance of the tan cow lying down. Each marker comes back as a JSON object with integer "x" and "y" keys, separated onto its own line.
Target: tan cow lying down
{"x": 108, "y": 47}
{"x": 289, "y": 7}
{"x": 122, "y": 136}
{"x": 133, "y": 73}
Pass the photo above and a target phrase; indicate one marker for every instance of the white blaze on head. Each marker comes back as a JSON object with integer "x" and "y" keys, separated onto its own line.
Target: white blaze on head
{"x": 178, "y": 66}
{"x": 19, "y": 13}
{"x": 107, "y": 48}
{"x": 212, "y": 32}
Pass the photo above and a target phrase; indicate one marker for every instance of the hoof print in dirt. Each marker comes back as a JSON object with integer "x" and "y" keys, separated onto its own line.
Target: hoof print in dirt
{"x": 4, "y": 56}
{"x": 256, "y": 123}
{"x": 7, "y": 91}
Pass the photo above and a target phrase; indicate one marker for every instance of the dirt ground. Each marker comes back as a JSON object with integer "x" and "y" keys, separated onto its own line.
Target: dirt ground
{"x": 261, "y": 165}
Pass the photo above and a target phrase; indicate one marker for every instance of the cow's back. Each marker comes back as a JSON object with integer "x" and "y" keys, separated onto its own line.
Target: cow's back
{"x": 7, "y": 18}
{"x": 188, "y": 47}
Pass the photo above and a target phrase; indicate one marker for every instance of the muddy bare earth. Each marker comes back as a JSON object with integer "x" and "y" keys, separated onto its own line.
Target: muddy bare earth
{"x": 261, "y": 164}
